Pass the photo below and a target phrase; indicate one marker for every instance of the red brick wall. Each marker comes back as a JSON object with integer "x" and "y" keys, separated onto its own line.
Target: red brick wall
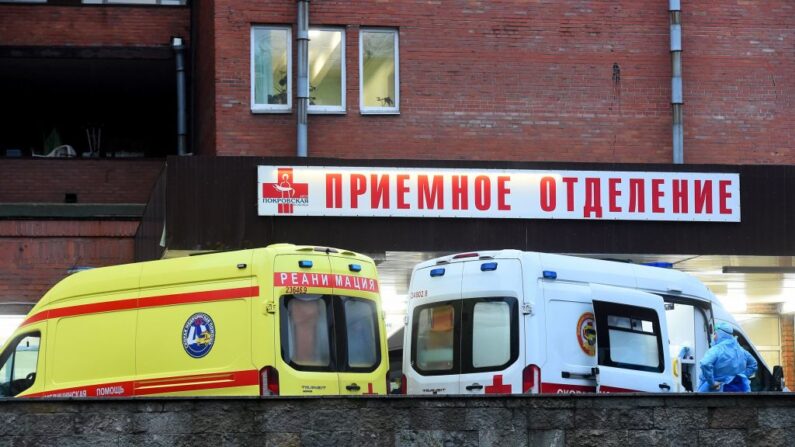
{"x": 204, "y": 68}
{"x": 739, "y": 74}
{"x": 34, "y": 255}
{"x": 525, "y": 80}
{"x": 94, "y": 181}
{"x": 95, "y": 25}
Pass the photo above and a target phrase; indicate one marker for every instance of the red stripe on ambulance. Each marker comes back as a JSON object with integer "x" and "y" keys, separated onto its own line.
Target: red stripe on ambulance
{"x": 141, "y": 303}
{"x": 158, "y": 386}
{"x": 330, "y": 280}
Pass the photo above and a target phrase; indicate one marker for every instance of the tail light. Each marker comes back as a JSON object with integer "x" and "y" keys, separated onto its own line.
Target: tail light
{"x": 403, "y": 384}
{"x": 269, "y": 381}
{"x": 531, "y": 379}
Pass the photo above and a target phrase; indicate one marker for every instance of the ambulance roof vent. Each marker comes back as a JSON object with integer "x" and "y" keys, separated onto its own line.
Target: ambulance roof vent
{"x": 349, "y": 253}
{"x": 486, "y": 257}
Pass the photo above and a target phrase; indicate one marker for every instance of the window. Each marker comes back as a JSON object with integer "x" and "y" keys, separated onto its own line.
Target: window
{"x": 19, "y": 360}
{"x": 137, "y": 2}
{"x": 307, "y": 331}
{"x": 329, "y": 333}
{"x": 466, "y": 336}
{"x": 491, "y": 334}
{"x": 632, "y": 341}
{"x": 628, "y": 337}
{"x": 361, "y": 333}
{"x": 435, "y": 338}
{"x": 379, "y": 90}
{"x": 271, "y": 73}
{"x": 326, "y": 70}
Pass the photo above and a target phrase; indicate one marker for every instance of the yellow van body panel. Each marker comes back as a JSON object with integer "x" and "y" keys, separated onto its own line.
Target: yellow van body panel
{"x": 199, "y": 325}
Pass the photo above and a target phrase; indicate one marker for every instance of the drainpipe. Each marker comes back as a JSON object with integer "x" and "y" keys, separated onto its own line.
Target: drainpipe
{"x": 675, "y": 12}
{"x": 179, "y": 56}
{"x": 302, "y": 93}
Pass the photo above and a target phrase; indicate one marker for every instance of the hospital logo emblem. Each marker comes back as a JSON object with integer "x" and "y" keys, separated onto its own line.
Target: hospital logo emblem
{"x": 286, "y": 193}
{"x": 586, "y": 333}
{"x": 198, "y": 335}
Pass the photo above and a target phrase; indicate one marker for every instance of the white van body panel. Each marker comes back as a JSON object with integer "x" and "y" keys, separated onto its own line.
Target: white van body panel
{"x": 556, "y": 320}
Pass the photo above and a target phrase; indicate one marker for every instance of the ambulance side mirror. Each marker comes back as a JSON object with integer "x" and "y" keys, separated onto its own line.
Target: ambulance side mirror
{"x": 778, "y": 378}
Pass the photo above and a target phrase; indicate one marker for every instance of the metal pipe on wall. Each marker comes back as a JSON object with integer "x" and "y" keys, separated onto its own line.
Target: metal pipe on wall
{"x": 675, "y": 13}
{"x": 182, "y": 127}
{"x": 302, "y": 92}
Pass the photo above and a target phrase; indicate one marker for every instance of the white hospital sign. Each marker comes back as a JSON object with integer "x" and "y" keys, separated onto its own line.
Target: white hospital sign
{"x": 497, "y": 193}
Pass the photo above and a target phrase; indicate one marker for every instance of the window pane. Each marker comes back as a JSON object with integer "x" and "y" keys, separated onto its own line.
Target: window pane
{"x": 271, "y": 77}
{"x": 362, "y": 342}
{"x": 325, "y": 68}
{"x": 378, "y": 61}
{"x": 308, "y": 331}
{"x": 18, "y": 372}
{"x": 491, "y": 334}
{"x": 27, "y": 353}
{"x": 634, "y": 348}
{"x": 435, "y": 331}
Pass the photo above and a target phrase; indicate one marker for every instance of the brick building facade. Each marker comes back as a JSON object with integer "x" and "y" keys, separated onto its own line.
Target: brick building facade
{"x": 510, "y": 80}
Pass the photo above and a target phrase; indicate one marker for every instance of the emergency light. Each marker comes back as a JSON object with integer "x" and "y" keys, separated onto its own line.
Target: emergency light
{"x": 488, "y": 266}
{"x": 305, "y": 264}
{"x": 355, "y": 267}
{"x": 549, "y": 274}
{"x": 437, "y": 272}
{"x": 665, "y": 265}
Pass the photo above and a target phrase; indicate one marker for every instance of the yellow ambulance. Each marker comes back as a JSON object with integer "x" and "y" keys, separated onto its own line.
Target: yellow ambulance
{"x": 281, "y": 320}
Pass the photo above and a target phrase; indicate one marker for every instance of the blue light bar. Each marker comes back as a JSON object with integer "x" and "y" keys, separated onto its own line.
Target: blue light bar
{"x": 437, "y": 272}
{"x": 665, "y": 265}
{"x": 549, "y": 274}
{"x": 488, "y": 266}
{"x": 355, "y": 267}
{"x": 305, "y": 264}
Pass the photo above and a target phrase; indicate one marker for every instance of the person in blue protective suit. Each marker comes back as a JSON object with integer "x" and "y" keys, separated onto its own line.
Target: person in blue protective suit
{"x": 726, "y": 366}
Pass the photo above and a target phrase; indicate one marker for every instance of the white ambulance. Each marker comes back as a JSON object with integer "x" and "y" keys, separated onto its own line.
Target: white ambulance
{"x": 523, "y": 322}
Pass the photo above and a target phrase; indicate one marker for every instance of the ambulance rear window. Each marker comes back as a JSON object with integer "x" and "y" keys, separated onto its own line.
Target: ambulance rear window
{"x": 361, "y": 333}
{"x": 308, "y": 330}
{"x": 436, "y": 338}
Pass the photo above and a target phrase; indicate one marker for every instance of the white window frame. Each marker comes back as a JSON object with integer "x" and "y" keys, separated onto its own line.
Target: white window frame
{"x": 341, "y": 109}
{"x": 365, "y": 110}
{"x": 272, "y": 108}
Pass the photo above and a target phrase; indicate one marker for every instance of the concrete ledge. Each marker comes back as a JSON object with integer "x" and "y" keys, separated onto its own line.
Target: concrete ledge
{"x": 72, "y": 210}
{"x": 557, "y": 420}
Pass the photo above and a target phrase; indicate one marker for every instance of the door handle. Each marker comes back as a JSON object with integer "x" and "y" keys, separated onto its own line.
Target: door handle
{"x": 353, "y": 387}
{"x": 665, "y": 386}
{"x": 474, "y": 386}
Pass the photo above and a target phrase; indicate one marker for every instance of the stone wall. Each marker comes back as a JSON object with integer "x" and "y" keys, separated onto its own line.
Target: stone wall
{"x": 558, "y": 420}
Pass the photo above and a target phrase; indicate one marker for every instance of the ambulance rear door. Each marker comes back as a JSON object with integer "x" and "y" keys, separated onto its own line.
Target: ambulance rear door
{"x": 361, "y": 342}
{"x": 631, "y": 341}
{"x": 303, "y": 291}
{"x": 492, "y": 341}
{"x": 432, "y": 356}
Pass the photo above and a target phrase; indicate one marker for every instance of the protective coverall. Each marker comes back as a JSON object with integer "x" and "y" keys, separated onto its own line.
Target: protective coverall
{"x": 726, "y": 362}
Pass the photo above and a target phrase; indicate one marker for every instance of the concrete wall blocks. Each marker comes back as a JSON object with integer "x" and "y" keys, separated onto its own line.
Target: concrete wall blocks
{"x": 605, "y": 420}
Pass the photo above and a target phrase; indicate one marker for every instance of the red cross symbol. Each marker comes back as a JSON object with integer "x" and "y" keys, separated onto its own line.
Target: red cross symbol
{"x": 285, "y": 189}
{"x": 498, "y": 387}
